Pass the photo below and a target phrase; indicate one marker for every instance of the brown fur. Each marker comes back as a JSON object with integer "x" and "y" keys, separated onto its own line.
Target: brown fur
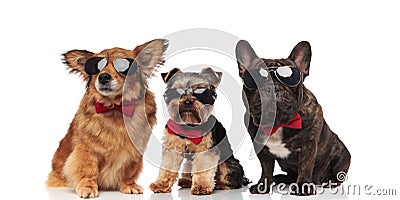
{"x": 97, "y": 152}
{"x": 201, "y": 171}
{"x": 221, "y": 177}
{"x": 202, "y": 180}
{"x": 172, "y": 160}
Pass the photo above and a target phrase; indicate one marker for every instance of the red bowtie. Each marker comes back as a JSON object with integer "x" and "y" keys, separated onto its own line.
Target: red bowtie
{"x": 295, "y": 123}
{"x": 127, "y": 107}
{"x": 193, "y": 135}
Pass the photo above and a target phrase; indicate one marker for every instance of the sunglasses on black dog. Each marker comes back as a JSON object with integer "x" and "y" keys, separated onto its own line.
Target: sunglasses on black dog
{"x": 204, "y": 95}
{"x": 124, "y": 66}
{"x": 287, "y": 75}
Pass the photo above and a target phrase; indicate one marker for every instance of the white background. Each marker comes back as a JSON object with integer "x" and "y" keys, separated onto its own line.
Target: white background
{"x": 354, "y": 74}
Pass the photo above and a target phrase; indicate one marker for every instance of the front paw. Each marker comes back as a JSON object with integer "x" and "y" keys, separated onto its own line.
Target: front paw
{"x": 303, "y": 189}
{"x": 131, "y": 189}
{"x": 260, "y": 188}
{"x": 160, "y": 187}
{"x": 285, "y": 179}
{"x": 87, "y": 188}
{"x": 201, "y": 190}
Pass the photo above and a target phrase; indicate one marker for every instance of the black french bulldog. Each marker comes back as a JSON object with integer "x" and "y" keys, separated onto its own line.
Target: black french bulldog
{"x": 299, "y": 138}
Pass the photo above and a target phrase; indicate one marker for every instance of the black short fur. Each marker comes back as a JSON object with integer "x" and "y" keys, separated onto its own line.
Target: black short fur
{"x": 317, "y": 154}
{"x": 235, "y": 176}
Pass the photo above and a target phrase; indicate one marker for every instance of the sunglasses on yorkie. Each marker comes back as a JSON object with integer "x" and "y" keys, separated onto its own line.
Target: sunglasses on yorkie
{"x": 287, "y": 75}
{"x": 204, "y": 95}
{"x": 124, "y": 66}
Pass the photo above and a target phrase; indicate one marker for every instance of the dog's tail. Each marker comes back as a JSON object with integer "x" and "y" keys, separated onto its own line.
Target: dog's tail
{"x": 246, "y": 181}
{"x": 235, "y": 176}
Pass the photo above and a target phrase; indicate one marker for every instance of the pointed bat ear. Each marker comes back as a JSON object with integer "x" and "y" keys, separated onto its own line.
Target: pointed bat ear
{"x": 213, "y": 77}
{"x": 76, "y": 60}
{"x": 245, "y": 56}
{"x": 168, "y": 75}
{"x": 301, "y": 55}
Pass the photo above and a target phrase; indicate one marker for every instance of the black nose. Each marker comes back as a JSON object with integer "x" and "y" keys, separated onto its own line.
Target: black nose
{"x": 187, "y": 104}
{"x": 104, "y": 78}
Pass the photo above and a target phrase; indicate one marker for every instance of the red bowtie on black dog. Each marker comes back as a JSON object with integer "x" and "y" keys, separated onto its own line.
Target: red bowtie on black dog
{"x": 299, "y": 138}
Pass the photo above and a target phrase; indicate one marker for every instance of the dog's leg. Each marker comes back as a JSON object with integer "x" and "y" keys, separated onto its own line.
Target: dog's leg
{"x": 289, "y": 177}
{"x": 267, "y": 165}
{"x": 130, "y": 175}
{"x": 305, "y": 185}
{"x": 203, "y": 172}
{"x": 338, "y": 169}
{"x": 307, "y": 156}
{"x": 56, "y": 177}
{"x": 170, "y": 164}
{"x": 285, "y": 178}
{"x": 186, "y": 180}
{"x": 81, "y": 170}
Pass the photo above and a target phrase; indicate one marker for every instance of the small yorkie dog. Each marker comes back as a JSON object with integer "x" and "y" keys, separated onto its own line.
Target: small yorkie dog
{"x": 192, "y": 132}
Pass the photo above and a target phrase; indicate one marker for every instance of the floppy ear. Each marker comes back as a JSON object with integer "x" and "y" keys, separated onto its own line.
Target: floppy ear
{"x": 301, "y": 55}
{"x": 213, "y": 77}
{"x": 246, "y": 56}
{"x": 75, "y": 60}
{"x": 149, "y": 55}
{"x": 168, "y": 75}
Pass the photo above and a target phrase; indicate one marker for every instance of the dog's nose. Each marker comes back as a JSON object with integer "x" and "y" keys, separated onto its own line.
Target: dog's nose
{"x": 104, "y": 78}
{"x": 187, "y": 104}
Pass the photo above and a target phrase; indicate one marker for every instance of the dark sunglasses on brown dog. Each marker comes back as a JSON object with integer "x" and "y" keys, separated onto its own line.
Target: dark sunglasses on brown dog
{"x": 124, "y": 66}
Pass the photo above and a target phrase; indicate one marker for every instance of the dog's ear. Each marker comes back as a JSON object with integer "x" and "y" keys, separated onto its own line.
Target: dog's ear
{"x": 213, "y": 77}
{"x": 168, "y": 75}
{"x": 76, "y": 59}
{"x": 150, "y": 56}
{"x": 301, "y": 55}
{"x": 245, "y": 56}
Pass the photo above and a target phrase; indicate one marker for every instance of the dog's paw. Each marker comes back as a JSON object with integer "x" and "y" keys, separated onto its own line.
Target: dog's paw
{"x": 201, "y": 190}
{"x": 87, "y": 188}
{"x": 286, "y": 179}
{"x": 259, "y": 188}
{"x": 303, "y": 189}
{"x": 131, "y": 189}
{"x": 160, "y": 187}
{"x": 221, "y": 186}
{"x": 185, "y": 183}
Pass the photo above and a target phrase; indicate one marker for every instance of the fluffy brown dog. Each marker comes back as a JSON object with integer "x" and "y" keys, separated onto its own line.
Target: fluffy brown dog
{"x": 97, "y": 152}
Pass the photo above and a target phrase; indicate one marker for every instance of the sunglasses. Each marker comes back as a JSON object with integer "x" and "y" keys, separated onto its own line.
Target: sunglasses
{"x": 124, "y": 66}
{"x": 204, "y": 95}
{"x": 287, "y": 75}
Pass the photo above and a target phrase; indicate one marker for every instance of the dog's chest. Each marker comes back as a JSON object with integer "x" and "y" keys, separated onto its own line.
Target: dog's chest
{"x": 275, "y": 145}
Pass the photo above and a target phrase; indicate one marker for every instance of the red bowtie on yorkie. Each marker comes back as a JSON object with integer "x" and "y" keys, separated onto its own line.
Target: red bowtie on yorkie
{"x": 97, "y": 152}
{"x": 192, "y": 132}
